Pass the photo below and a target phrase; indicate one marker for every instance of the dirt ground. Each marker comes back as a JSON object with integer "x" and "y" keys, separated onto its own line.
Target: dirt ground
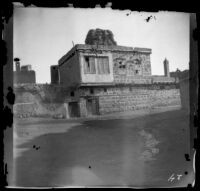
{"x": 143, "y": 150}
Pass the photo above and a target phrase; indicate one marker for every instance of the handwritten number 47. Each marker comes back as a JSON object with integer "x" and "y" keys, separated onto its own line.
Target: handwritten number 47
{"x": 174, "y": 177}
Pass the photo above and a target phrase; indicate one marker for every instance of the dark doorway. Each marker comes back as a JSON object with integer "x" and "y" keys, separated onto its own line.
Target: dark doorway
{"x": 92, "y": 106}
{"x": 74, "y": 109}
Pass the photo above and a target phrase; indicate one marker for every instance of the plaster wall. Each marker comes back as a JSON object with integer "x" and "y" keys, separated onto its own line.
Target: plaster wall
{"x": 24, "y": 77}
{"x": 95, "y": 78}
{"x": 70, "y": 71}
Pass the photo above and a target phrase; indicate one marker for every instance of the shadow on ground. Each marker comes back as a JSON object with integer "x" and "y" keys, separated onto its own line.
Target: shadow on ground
{"x": 107, "y": 152}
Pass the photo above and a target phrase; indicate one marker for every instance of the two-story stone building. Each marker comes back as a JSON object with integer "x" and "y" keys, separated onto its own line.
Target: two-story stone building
{"x": 105, "y": 79}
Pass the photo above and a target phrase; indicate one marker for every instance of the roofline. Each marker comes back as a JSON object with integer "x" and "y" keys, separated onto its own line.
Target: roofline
{"x": 61, "y": 60}
{"x": 104, "y": 48}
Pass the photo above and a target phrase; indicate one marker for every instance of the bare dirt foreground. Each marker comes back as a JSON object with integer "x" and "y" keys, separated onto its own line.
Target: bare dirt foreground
{"x": 138, "y": 151}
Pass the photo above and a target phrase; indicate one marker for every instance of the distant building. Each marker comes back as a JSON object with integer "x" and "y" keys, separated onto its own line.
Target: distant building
{"x": 23, "y": 74}
{"x": 54, "y": 74}
{"x": 180, "y": 74}
{"x": 166, "y": 68}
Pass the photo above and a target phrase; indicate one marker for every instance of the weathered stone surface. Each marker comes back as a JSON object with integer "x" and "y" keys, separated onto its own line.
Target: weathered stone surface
{"x": 134, "y": 99}
{"x": 58, "y": 116}
{"x": 111, "y": 99}
{"x": 39, "y": 100}
{"x": 82, "y": 105}
{"x": 100, "y": 37}
{"x": 131, "y": 67}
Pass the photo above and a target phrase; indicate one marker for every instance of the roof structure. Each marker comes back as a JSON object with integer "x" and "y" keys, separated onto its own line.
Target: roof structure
{"x": 94, "y": 48}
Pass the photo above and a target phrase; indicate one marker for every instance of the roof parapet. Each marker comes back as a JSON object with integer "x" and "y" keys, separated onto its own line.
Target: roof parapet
{"x": 144, "y": 50}
{"x": 104, "y": 48}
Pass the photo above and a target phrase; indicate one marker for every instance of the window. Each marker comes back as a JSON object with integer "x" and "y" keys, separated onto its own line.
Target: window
{"x": 122, "y": 65}
{"x": 104, "y": 89}
{"x": 162, "y": 87}
{"x": 89, "y": 65}
{"x": 137, "y": 61}
{"x": 91, "y": 91}
{"x": 103, "y": 65}
{"x": 72, "y": 94}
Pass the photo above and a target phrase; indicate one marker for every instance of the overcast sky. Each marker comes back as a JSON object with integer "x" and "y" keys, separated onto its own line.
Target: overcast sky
{"x": 43, "y": 35}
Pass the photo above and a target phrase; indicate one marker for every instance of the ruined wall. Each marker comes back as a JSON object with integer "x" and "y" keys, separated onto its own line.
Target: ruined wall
{"x": 39, "y": 100}
{"x": 130, "y": 67}
{"x": 37, "y": 109}
{"x": 114, "y": 99}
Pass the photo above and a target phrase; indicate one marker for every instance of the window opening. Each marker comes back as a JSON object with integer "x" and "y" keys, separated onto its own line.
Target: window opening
{"x": 91, "y": 91}
{"x": 103, "y": 65}
{"x": 89, "y": 65}
{"x": 72, "y": 93}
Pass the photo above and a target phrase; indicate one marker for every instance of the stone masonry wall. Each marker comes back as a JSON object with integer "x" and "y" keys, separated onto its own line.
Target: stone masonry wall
{"x": 115, "y": 99}
{"x": 48, "y": 100}
{"x": 139, "y": 99}
{"x": 125, "y": 65}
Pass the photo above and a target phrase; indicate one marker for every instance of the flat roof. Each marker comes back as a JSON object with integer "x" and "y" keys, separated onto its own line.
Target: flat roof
{"x": 104, "y": 48}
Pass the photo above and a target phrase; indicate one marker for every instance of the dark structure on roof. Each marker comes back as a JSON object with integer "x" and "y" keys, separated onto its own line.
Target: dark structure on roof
{"x": 100, "y": 37}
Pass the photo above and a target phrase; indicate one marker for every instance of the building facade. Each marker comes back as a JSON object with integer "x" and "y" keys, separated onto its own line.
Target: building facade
{"x": 104, "y": 79}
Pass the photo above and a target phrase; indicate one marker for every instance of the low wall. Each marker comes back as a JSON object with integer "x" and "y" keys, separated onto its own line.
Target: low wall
{"x": 39, "y": 100}
{"x": 48, "y": 100}
{"x": 45, "y": 93}
{"x": 39, "y": 109}
{"x": 24, "y": 109}
{"x": 138, "y": 99}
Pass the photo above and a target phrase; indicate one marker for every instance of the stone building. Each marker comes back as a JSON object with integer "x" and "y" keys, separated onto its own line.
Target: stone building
{"x": 23, "y": 74}
{"x": 112, "y": 78}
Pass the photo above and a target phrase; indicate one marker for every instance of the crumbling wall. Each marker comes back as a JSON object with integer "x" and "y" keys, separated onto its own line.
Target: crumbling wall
{"x": 39, "y": 100}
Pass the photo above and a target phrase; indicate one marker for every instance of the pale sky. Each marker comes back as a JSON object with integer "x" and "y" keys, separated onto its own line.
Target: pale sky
{"x": 43, "y": 35}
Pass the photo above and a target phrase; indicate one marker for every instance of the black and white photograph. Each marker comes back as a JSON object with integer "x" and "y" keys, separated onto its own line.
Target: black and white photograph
{"x": 102, "y": 98}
